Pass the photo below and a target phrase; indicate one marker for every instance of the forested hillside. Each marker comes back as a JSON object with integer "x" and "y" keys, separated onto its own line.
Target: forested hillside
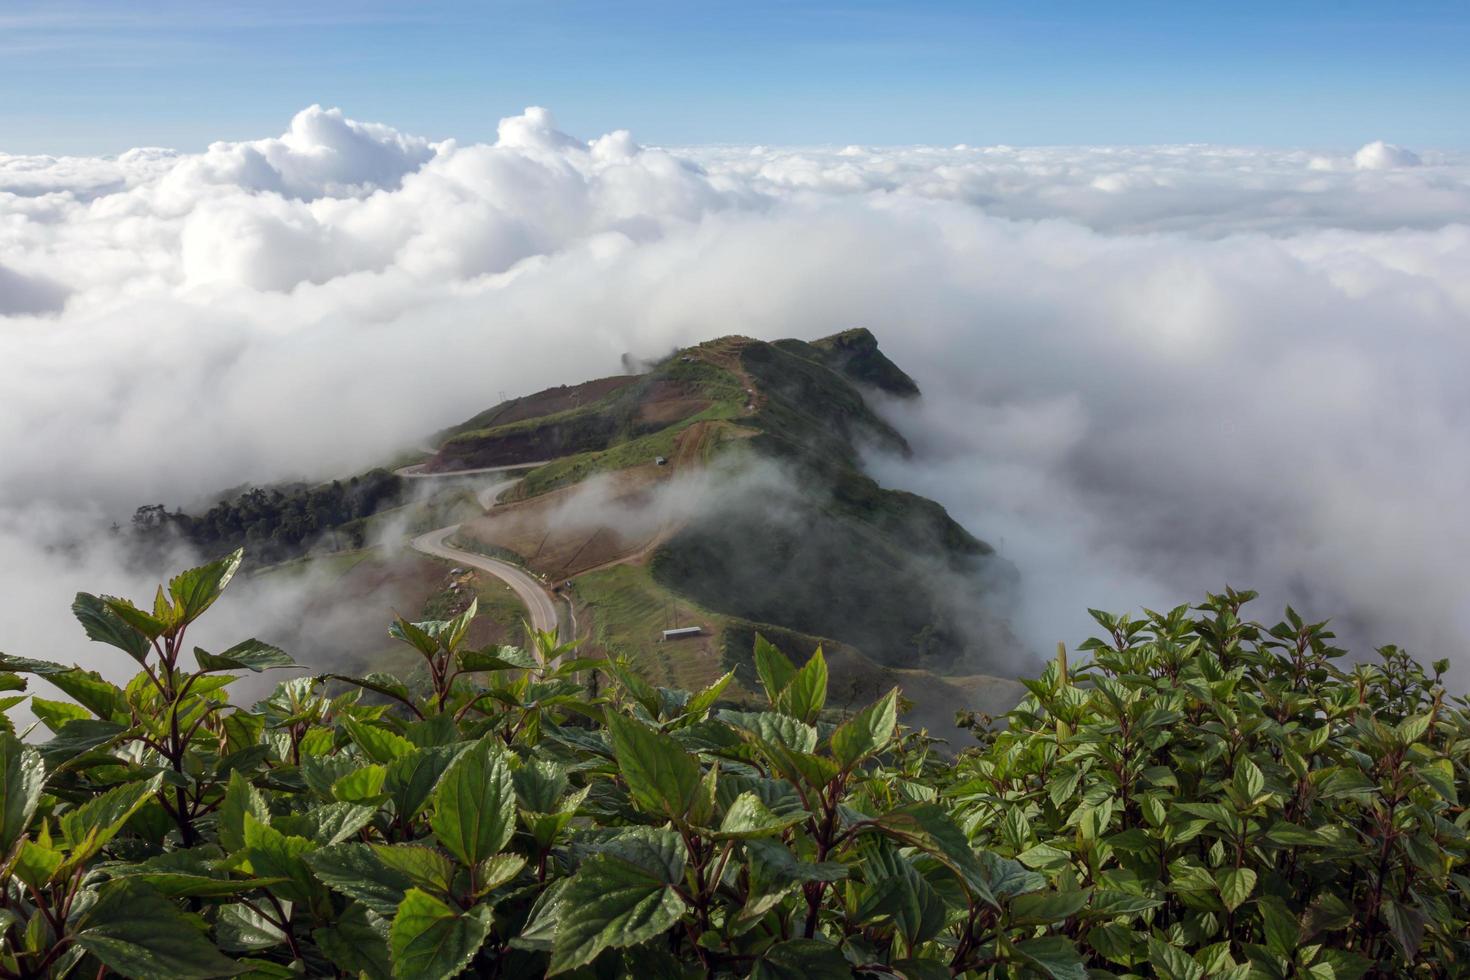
{"x": 1205, "y": 796}
{"x": 276, "y": 523}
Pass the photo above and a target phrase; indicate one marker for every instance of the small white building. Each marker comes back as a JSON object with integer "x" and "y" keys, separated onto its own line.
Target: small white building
{"x": 682, "y": 632}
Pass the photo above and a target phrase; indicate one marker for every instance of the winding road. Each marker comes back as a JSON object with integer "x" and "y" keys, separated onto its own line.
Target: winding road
{"x": 539, "y": 604}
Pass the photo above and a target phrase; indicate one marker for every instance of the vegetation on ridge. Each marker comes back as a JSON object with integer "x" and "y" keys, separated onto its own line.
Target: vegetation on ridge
{"x": 1207, "y": 797}
{"x": 276, "y": 523}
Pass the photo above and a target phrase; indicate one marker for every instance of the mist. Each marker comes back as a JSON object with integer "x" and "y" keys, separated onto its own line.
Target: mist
{"x": 1147, "y": 372}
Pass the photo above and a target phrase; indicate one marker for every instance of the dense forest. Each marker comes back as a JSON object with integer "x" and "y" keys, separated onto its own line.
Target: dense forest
{"x": 1204, "y": 797}
{"x": 277, "y": 523}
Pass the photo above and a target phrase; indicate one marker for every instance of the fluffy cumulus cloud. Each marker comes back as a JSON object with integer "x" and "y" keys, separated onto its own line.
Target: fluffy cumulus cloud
{"x": 1379, "y": 155}
{"x": 1148, "y": 371}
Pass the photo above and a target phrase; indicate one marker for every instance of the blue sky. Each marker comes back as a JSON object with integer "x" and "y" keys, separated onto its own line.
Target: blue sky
{"x": 91, "y": 77}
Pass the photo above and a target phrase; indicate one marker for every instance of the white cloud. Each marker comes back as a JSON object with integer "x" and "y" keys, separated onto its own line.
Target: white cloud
{"x": 28, "y": 294}
{"x": 1149, "y": 371}
{"x": 1379, "y": 155}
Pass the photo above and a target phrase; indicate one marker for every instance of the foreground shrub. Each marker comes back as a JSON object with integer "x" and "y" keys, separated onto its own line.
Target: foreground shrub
{"x": 1279, "y": 817}
{"x": 1206, "y": 798}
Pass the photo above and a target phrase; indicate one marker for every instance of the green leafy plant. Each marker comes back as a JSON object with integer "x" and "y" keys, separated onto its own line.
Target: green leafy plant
{"x": 1257, "y": 810}
{"x": 1206, "y": 797}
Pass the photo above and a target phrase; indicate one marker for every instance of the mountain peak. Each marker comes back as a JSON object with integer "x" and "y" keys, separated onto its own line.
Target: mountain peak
{"x": 855, "y": 353}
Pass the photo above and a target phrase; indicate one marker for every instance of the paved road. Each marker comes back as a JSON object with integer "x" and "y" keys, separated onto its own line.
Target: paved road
{"x": 527, "y": 587}
{"x": 417, "y": 472}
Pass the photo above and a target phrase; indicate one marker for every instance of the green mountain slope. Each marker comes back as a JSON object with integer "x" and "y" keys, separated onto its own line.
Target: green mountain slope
{"x": 784, "y": 532}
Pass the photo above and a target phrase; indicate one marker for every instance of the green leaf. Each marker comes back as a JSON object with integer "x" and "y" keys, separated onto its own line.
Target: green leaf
{"x": 928, "y": 827}
{"x": 196, "y": 590}
{"x": 357, "y": 943}
{"x": 1173, "y": 963}
{"x": 663, "y": 778}
{"x": 867, "y": 732}
{"x": 913, "y": 968}
{"x": 894, "y": 888}
{"x": 1115, "y": 942}
{"x": 1108, "y": 903}
{"x": 540, "y": 785}
{"x": 1412, "y": 728}
{"x": 1406, "y": 925}
{"x": 259, "y": 968}
{"x": 36, "y": 865}
{"x": 454, "y": 630}
{"x": 329, "y": 824}
{"x": 771, "y": 862}
{"x": 412, "y": 778}
{"x": 1045, "y": 857}
{"x": 1283, "y": 933}
{"x": 88, "y": 688}
{"x": 425, "y": 867}
{"x": 173, "y": 884}
{"x": 1007, "y": 878}
{"x": 774, "y": 669}
{"x": 89, "y": 827}
{"x": 1439, "y": 774}
{"x": 747, "y": 816}
{"x": 25, "y": 665}
{"x": 273, "y": 854}
{"x": 1343, "y": 964}
{"x": 138, "y": 933}
{"x": 805, "y": 695}
{"x": 802, "y": 959}
{"x": 240, "y": 928}
{"x": 415, "y": 636}
{"x": 79, "y": 737}
{"x": 428, "y": 940}
{"x": 103, "y": 625}
{"x": 1052, "y": 956}
{"x": 149, "y": 626}
{"x": 355, "y": 871}
{"x": 497, "y": 871}
{"x": 377, "y": 682}
{"x": 250, "y": 655}
{"x": 321, "y": 772}
{"x": 1040, "y": 908}
{"x": 1248, "y": 779}
{"x": 1236, "y": 885}
{"x": 500, "y": 658}
{"x": 22, "y": 778}
{"x": 700, "y": 704}
{"x": 363, "y": 785}
{"x": 474, "y": 804}
{"x": 240, "y": 798}
{"x": 55, "y": 714}
{"x": 611, "y": 903}
{"x": 378, "y": 744}
{"x": 1283, "y": 832}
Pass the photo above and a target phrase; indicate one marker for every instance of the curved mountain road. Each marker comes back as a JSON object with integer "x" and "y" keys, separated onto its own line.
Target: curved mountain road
{"x": 539, "y": 604}
{"x": 417, "y": 472}
{"x": 526, "y": 587}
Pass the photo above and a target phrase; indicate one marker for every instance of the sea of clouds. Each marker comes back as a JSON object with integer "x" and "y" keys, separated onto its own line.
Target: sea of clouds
{"x": 1148, "y": 371}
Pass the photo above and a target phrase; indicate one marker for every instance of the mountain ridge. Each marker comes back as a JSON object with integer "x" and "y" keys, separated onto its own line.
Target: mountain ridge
{"x": 786, "y": 533}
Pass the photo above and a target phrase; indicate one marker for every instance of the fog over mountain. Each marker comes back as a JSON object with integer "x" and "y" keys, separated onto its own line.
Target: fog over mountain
{"x": 1147, "y": 371}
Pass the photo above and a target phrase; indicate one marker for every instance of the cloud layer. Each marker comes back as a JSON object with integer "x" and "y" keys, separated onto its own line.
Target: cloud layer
{"x": 1148, "y": 371}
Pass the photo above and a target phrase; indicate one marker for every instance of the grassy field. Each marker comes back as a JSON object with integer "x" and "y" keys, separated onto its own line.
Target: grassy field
{"x": 634, "y": 452}
{"x": 333, "y": 565}
{"x": 629, "y": 611}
